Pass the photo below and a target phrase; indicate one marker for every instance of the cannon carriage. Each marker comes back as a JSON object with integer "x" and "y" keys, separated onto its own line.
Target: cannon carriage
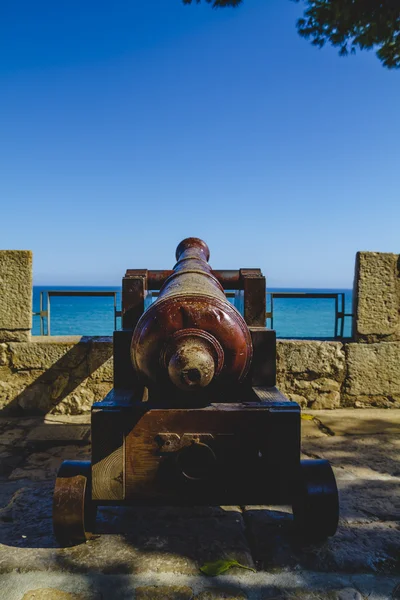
{"x": 194, "y": 417}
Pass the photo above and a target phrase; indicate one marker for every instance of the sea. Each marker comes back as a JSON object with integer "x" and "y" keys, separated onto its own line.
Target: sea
{"x": 293, "y": 317}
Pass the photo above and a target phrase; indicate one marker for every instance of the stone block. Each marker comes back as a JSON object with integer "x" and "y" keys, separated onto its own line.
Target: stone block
{"x": 34, "y": 399}
{"x": 100, "y": 359}
{"x": 15, "y": 290}
{"x": 17, "y": 335}
{"x": 161, "y": 592}
{"x": 311, "y": 358}
{"x": 58, "y": 434}
{"x": 373, "y": 370}
{"x": 64, "y": 375}
{"x": 4, "y": 355}
{"x": 77, "y": 401}
{"x": 376, "y": 300}
{"x": 50, "y": 352}
{"x": 221, "y": 594}
{"x": 316, "y": 393}
{"x": 12, "y": 386}
{"x": 311, "y": 372}
{"x": 57, "y": 594}
{"x": 99, "y": 388}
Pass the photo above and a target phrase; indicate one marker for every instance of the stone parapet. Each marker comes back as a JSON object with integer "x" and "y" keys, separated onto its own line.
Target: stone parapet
{"x": 58, "y": 375}
{"x": 376, "y": 298}
{"x": 311, "y": 372}
{"x": 373, "y": 375}
{"x": 15, "y": 295}
{"x": 65, "y": 375}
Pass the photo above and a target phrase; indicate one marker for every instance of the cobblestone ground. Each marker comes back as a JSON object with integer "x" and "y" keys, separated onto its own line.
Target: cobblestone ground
{"x": 155, "y": 553}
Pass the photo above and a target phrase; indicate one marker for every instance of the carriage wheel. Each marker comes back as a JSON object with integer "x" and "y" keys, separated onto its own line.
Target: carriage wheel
{"x": 316, "y": 500}
{"x": 74, "y": 513}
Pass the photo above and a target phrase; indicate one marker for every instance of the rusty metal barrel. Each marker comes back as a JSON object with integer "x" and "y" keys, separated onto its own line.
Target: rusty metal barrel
{"x": 191, "y": 336}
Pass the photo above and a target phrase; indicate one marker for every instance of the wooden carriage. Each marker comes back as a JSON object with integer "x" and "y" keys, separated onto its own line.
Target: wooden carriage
{"x": 194, "y": 416}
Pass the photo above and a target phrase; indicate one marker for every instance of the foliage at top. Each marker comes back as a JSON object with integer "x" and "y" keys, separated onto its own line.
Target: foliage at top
{"x": 348, "y": 25}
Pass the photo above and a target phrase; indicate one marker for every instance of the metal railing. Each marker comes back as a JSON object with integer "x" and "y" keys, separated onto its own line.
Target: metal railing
{"x": 45, "y": 313}
{"x": 339, "y": 298}
{"x": 340, "y": 310}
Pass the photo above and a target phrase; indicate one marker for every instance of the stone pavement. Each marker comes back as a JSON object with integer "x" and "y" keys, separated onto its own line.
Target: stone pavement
{"x": 155, "y": 553}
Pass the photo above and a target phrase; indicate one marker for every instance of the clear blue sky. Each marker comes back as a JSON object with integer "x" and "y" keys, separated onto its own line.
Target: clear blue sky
{"x": 126, "y": 125}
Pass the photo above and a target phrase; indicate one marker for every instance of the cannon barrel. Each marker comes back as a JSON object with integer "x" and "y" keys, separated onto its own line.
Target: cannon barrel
{"x": 191, "y": 336}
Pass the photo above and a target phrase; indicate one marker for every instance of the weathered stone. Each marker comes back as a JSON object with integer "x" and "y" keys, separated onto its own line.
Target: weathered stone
{"x": 100, "y": 390}
{"x": 42, "y": 466}
{"x": 16, "y": 335}
{"x": 58, "y": 434}
{"x": 357, "y": 547}
{"x": 311, "y": 358}
{"x": 329, "y": 400}
{"x": 66, "y": 391}
{"x": 10, "y": 391}
{"x": 35, "y": 398}
{"x": 365, "y": 456}
{"x": 50, "y": 353}
{"x": 349, "y": 594}
{"x": 5, "y": 374}
{"x": 56, "y": 594}
{"x": 101, "y": 360}
{"x": 345, "y": 421}
{"x": 301, "y": 400}
{"x": 155, "y": 592}
{"x": 10, "y": 458}
{"x": 370, "y": 401}
{"x": 59, "y": 385}
{"x": 299, "y": 594}
{"x": 76, "y": 402}
{"x": 11, "y": 436}
{"x": 83, "y": 419}
{"x": 325, "y": 385}
{"x": 221, "y": 594}
{"x": 4, "y": 356}
{"x": 316, "y": 393}
{"x": 373, "y": 369}
{"x": 275, "y": 593}
{"x": 15, "y": 290}
{"x": 376, "y": 296}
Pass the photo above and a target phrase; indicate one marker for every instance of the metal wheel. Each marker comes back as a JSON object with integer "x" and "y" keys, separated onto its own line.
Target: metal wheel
{"x": 316, "y": 500}
{"x": 74, "y": 514}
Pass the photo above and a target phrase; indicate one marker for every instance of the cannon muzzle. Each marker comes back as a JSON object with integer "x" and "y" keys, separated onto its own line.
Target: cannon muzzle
{"x": 191, "y": 336}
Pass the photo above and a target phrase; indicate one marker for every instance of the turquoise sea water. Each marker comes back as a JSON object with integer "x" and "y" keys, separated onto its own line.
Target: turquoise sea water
{"x": 293, "y": 318}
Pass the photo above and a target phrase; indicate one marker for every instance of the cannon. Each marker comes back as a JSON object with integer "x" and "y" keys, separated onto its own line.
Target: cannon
{"x": 194, "y": 417}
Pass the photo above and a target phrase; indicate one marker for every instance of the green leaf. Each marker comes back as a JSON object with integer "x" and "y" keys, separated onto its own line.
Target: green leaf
{"x": 307, "y": 417}
{"x": 220, "y": 566}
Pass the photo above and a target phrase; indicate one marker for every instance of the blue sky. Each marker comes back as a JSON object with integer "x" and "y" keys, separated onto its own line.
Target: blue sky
{"x": 128, "y": 125}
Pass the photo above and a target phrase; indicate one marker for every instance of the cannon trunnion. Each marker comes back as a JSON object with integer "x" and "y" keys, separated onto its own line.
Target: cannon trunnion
{"x": 194, "y": 416}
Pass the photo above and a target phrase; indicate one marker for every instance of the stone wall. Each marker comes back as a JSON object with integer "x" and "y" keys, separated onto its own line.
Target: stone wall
{"x": 376, "y": 297}
{"x": 373, "y": 361}
{"x": 15, "y": 295}
{"x": 61, "y": 375}
{"x": 65, "y": 375}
